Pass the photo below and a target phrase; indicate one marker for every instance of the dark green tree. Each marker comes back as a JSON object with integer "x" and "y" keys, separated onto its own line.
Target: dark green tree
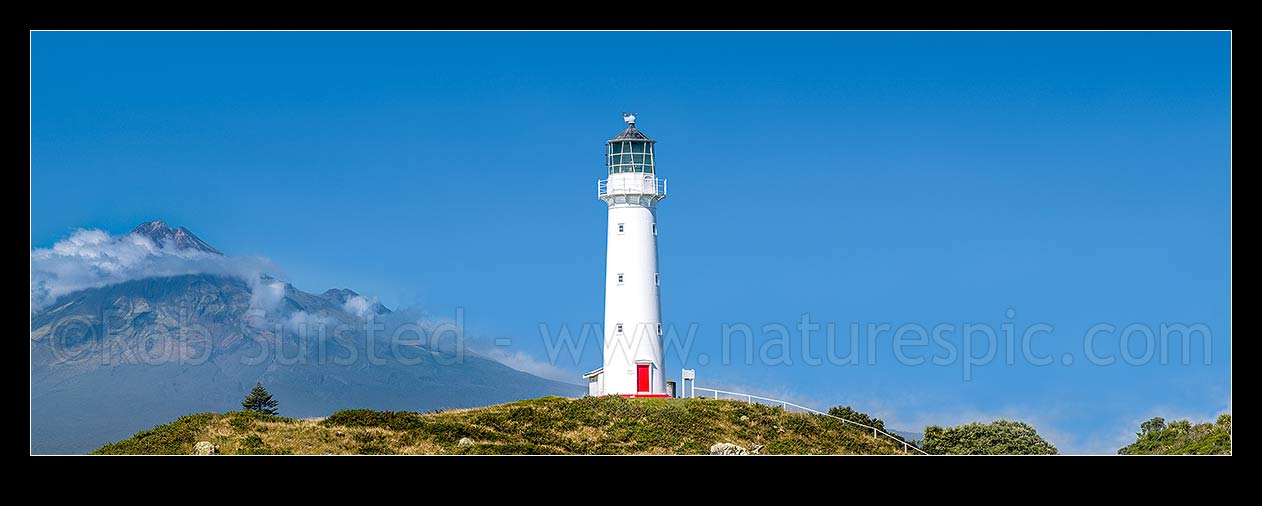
{"x": 260, "y": 401}
{"x": 856, "y": 416}
{"x": 1224, "y": 421}
{"x": 1182, "y": 427}
{"x": 1152, "y": 426}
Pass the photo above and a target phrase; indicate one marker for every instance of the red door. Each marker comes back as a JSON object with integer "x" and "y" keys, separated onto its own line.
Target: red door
{"x": 642, "y": 377}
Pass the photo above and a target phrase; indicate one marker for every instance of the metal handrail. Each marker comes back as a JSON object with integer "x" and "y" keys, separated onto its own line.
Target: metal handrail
{"x": 785, "y": 404}
{"x": 651, "y": 185}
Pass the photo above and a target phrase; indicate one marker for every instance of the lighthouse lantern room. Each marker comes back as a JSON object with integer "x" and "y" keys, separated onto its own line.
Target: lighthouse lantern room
{"x": 633, "y": 358}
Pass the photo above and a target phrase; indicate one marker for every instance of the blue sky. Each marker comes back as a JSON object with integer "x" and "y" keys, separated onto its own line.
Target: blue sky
{"x": 898, "y": 178}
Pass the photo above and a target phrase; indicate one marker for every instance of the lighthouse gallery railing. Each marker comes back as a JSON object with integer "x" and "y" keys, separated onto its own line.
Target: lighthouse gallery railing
{"x": 786, "y": 405}
{"x": 648, "y": 185}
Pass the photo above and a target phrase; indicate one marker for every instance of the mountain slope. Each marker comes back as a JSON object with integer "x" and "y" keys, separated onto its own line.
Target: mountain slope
{"x": 550, "y": 425}
{"x": 346, "y": 296}
{"x": 107, "y": 361}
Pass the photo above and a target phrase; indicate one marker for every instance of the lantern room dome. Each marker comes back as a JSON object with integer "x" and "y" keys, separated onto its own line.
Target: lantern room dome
{"x": 631, "y": 134}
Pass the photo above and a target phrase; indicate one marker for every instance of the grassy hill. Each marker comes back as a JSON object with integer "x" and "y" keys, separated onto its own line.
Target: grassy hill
{"x": 548, "y": 425}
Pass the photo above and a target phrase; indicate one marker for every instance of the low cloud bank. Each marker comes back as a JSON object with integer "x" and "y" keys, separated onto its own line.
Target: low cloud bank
{"x": 92, "y": 258}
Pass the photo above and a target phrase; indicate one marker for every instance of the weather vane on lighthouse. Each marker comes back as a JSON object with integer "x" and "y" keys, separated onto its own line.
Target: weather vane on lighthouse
{"x": 634, "y": 365}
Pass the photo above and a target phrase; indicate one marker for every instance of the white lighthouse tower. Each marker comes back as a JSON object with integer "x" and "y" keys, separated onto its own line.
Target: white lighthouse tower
{"x": 634, "y": 362}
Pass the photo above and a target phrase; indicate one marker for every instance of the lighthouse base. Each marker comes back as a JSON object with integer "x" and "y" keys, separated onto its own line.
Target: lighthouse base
{"x": 646, "y": 396}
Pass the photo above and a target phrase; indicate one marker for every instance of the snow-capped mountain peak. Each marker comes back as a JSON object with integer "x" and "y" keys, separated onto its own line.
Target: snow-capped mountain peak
{"x": 181, "y": 238}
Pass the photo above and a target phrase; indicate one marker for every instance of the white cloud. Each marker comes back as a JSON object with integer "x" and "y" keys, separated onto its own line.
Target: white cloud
{"x": 527, "y": 363}
{"x": 93, "y": 258}
{"x": 360, "y": 306}
{"x": 266, "y": 294}
{"x": 304, "y": 323}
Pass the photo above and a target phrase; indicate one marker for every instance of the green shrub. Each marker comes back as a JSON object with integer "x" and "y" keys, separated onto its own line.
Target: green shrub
{"x": 243, "y": 421}
{"x": 393, "y": 420}
{"x": 252, "y": 441}
{"x": 853, "y": 415}
{"x": 175, "y": 438}
{"x": 254, "y": 445}
{"x": 240, "y": 423}
{"x": 1001, "y": 437}
{"x": 371, "y": 443}
{"x": 374, "y": 448}
{"x": 1180, "y": 437}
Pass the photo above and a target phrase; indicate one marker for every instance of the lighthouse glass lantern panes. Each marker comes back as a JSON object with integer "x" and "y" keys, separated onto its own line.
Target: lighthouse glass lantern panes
{"x": 630, "y": 156}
